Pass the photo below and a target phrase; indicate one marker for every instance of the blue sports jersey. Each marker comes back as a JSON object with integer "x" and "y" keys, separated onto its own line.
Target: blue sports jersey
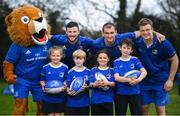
{"x": 121, "y": 67}
{"x": 82, "y": 98}
{"x": 28, "y": 61}
{"x": 155, "y": 60}
{"x": 99, "y": 44}
{"x": 49, "y": 73}
{"x": 102, "y": 95}
{"x": 83, "y": 43}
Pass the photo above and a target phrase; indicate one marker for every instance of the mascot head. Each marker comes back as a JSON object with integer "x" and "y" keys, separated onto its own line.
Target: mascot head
{"x": 27, "y": 26}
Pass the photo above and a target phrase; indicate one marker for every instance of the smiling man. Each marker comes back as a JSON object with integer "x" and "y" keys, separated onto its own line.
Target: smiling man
{"x": 161, "y": 63}
{"x": 71, "y": 41}
{"x": 110, "y": 40}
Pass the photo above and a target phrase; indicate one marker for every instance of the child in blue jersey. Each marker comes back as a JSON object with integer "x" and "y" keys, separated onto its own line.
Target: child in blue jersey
{"x": 78, "y": 103}
{"x": 71, "y": 41}
{"x": 53, "y": 104}
{"x": 161, "y": 62}
{"x": 127, "y": 89}
{"x": 102, "y": 81}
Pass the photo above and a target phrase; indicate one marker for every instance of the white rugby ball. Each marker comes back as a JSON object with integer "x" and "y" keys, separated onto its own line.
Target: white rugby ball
{"x": 100, "y": 76}
{"x": 77, "y": 84}
{"x": 132, "y": 74}
{"x": 54, "y": 87}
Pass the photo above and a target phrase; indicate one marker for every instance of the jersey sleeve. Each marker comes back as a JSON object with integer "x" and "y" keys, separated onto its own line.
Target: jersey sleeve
{"x": 43, "y": 74}
{"x": 13, "y": 53}
{"x": 69, "y": 79}
{"x": 128, "y": 35}
{"x": 115, "y": 66}
{"x": 89, "y": 41}
{"x": 58, "y": 39}
{"x": 138, "y": 64}
{"x": 169, "y": 50}
{"x": 91, "y": 77}
{"x": 112, "y": 76}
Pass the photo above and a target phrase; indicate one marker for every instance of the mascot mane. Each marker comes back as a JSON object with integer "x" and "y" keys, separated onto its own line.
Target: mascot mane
{"x": 27, "y": 26}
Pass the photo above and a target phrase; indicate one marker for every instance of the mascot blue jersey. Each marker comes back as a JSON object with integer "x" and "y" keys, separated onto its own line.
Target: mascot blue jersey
{"x": 155, "y": 60}
{"x": 28, "y": 61}
{"x": 81, "y": 99}
{"x": 83, "y": 43}
{"x": 121, "y": 67}
{"x": 49, "y": 73}
{"x": 102, "y": 95}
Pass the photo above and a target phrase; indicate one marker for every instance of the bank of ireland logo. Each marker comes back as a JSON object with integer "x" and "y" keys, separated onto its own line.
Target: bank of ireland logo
{"x": 154, "y": 51}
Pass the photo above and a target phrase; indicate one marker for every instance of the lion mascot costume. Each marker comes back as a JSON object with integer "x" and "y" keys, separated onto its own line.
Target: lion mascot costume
{"x": 29, "y": 31}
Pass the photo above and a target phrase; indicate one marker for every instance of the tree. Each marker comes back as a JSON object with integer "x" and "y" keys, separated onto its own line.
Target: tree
{"x": 171, "y": 10}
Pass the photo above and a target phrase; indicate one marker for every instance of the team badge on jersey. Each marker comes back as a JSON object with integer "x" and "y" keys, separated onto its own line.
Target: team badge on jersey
{"x": 132, "y": 66}
{"x": 154, "y": 51}
{"x": 49, "y": 73}
{"x": 61, "y": 74}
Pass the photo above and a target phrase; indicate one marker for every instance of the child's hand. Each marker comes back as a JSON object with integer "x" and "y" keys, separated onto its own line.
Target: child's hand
{"x": 97, "y": 83}
{"x": 69, "y": 92}
{"x": 104, "y": 83}
{"x": 84, "y": 87}
{"x": 43, "y": 85}
{"x": 134, "y": 81}
{"x": 65, "y": 86}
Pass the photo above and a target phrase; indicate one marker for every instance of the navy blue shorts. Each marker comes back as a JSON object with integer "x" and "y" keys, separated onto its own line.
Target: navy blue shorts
{"x": 48, "y": 108}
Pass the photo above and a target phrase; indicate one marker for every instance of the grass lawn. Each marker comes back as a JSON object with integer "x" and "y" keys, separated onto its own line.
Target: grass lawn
{"x": 7, "y": 102}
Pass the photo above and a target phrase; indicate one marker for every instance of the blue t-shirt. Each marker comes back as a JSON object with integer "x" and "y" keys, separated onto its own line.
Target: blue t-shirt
{"x": 82, "y": 98}
{"x": 102, "y": 95}
{"x": 121, "y": 67}
{"x": 99, "y": 44}
{"x": 156, "y": 61}
{"x": 83, "y": 43}
{"x": 49, "y": 73}
{"x": 28, "y": 62}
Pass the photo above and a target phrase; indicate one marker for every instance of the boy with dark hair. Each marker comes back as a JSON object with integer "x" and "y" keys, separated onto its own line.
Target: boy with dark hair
{"x": 127, "y": 89}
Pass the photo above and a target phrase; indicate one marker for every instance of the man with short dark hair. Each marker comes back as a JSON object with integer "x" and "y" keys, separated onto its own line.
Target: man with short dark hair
{"x": 110, "y": 40}
{"x": 71, "y": 41}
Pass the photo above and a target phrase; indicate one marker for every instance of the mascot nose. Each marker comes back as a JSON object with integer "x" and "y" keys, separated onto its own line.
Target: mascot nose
{"x": 39, "y": 19}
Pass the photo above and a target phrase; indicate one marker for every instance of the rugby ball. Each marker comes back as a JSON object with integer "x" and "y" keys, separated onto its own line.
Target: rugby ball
{"x": 54, "y": 87}
{"x": 132, "y": 74}
{"x": 100, "y": 76}
{"x": 77, "y": 84}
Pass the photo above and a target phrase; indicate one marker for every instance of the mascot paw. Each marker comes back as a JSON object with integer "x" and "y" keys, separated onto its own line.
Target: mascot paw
{"x": 10, "y": 78}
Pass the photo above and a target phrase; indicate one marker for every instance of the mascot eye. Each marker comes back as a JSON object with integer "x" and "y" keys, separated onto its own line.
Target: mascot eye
{"x": 40, "y": 14}
{"x": 25, "y": 19}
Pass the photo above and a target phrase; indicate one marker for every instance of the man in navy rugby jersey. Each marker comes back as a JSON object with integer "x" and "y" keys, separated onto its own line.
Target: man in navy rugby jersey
{"x": 161, "y": 63}
{"x": 110, "y": 40}
{"x": 71, "y": 41}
